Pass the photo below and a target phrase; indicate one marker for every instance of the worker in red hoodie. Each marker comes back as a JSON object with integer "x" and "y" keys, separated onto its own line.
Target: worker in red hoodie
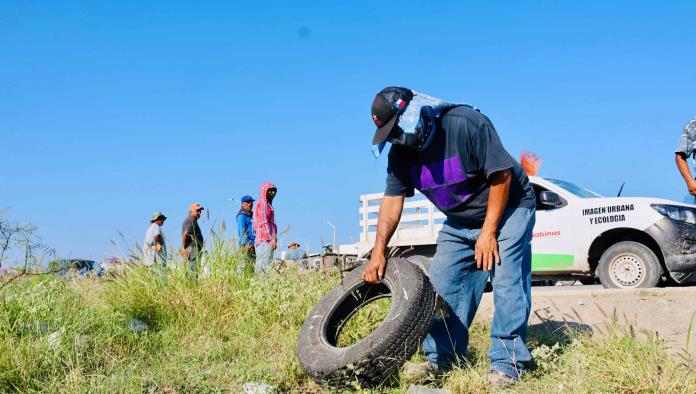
{"x": 265, "y": 228}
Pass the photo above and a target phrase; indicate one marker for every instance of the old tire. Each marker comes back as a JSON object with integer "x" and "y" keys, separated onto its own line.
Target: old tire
{"x": 374, "y": 358}
{"x": 627, "y": 265}
{"x": 422, "y": 262}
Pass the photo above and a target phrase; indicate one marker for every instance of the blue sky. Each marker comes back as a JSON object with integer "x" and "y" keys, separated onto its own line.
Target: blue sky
{"x": 112, "y": 110}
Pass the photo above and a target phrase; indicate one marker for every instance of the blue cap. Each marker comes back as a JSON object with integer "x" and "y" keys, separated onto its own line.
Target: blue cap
{"x": 247, "y": 198}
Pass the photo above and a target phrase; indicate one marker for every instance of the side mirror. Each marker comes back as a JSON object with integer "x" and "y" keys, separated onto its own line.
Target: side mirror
{"x": 550, "y": 198}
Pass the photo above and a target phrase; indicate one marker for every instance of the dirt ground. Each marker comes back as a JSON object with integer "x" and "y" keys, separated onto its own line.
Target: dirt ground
{"x": 667, "y": 312}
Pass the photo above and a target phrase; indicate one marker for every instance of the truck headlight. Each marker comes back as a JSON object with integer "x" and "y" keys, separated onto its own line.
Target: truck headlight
{"x": 676, "y": 212}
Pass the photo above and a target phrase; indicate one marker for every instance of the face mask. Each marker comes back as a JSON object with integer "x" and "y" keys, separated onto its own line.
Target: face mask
{"x": 423, "y": 133}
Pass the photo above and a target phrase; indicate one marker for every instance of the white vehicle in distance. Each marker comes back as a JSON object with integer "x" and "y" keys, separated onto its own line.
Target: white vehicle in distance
{"x": 627, "y": 242}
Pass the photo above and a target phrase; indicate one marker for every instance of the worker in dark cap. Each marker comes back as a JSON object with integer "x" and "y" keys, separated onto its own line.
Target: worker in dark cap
{"x": 245, "y": 227}
{"x": 453, "y": 155}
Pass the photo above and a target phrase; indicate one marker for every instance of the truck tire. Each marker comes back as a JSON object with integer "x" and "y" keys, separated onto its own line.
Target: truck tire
{"x": 629, "y": 264}
{"x": 374, "y": 358}
{"x": 422, "y": 262}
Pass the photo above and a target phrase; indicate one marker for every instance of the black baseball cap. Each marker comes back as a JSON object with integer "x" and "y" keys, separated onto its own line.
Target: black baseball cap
{"x": 387, "y": 106}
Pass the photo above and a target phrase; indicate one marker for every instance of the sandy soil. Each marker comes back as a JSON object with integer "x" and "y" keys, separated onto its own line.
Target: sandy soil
{"x": 667, "y": 312}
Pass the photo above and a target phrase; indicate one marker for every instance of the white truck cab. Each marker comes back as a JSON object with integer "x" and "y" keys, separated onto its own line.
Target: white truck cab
{"x": 626, "y": 242}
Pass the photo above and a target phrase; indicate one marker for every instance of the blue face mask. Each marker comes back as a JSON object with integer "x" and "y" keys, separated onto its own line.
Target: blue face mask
{"x": 417, "y": 125}
{"x": 423, "y": 133}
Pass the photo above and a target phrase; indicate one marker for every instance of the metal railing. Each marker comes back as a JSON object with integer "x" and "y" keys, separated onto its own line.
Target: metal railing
{"x": 420, "y": 220}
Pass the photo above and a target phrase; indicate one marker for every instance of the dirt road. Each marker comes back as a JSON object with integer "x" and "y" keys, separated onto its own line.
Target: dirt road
{"x": 668, "y": 311}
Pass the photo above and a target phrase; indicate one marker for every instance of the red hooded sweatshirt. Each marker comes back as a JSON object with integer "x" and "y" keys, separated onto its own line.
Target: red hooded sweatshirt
{"x": 264, "y": 217}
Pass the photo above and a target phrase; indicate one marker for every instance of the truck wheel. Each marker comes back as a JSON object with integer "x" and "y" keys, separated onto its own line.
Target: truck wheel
{"x": 371, "y": 360}
{"x": 629, "y": 264}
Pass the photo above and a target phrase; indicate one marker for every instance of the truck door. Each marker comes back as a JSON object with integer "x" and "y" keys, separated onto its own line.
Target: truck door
{"x": 553, "y": 240}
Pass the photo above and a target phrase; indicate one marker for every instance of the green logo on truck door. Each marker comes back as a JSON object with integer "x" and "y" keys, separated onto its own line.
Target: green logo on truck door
{"x": 551, "y": 262}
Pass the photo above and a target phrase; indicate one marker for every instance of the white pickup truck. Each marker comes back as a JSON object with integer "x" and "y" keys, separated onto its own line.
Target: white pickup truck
{"x": 624, "y": 241}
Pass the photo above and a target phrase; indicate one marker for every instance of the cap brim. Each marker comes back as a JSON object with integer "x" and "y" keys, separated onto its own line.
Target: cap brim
{"x": 383, "y": 132}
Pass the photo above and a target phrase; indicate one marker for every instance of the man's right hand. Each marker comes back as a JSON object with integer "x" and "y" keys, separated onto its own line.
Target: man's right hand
{"x": 692, "y": 187}
{"x": 374, "y": 270}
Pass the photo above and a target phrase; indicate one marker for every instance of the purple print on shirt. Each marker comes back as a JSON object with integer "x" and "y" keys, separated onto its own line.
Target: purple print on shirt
{"x": 442, "y": 182}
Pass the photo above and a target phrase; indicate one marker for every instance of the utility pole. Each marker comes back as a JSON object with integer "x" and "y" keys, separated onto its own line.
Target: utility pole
{"x": 334, "y": 237}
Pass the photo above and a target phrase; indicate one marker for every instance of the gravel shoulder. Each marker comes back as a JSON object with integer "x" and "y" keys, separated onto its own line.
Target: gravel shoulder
{"x": 667, "y": 312}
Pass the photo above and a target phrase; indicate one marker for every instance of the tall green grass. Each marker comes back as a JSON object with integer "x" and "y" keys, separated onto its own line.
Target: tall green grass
{"x": 214, "y": 331}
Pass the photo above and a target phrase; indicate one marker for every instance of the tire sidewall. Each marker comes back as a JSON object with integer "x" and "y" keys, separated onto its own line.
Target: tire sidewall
{"x": 646, "y": 257}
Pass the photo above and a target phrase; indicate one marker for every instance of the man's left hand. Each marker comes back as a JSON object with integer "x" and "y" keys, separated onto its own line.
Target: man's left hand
{"x": 486, "y": 251}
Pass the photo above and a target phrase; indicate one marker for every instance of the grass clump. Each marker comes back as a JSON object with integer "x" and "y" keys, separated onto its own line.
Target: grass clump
{"x": 215, "y": 331}
{"x": 205, "y": 334}
{"x": 366, "y": 320}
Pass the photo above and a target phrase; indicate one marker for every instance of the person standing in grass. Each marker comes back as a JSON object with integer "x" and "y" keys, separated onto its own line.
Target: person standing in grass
{"x": 154, "y": 247}
{"x": 453, "y": 155}
{"x": 245, "y": 227}
{"x": 191, "y": 237}
{"x": 265, "y": 229}
{"x": 296, "y": 255}
{"x": 294, "y": 252}
{"x": 687, "y": 149}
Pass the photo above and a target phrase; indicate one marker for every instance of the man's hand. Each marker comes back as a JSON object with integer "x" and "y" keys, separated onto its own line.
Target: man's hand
{"x": 683, "y": 166}
{"x": 274, "y": 245}
{"x": 374, "y": 270}
{"x": 692, "y": 187}
{"x": 486, "y": 251}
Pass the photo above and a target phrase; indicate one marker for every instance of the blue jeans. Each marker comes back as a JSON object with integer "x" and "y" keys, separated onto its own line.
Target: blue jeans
{"x": 264, "y": 258}
{"x": 454, "y": 275}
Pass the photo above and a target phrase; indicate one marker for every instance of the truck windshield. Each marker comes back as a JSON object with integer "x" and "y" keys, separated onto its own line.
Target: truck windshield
{"x": 575, "y": 189}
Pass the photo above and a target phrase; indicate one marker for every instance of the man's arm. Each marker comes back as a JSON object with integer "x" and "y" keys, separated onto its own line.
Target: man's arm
{"x": 274, "y": 238}
{"x": 683, "y": 166}
{"x": 158, "y": 242}
{"x": 486, "y": 249}
{"x": 241, "y": 228}
{"x": 265, "y": 225}
{"x": 269, "y": 229}
{"x": 388, "y": 220}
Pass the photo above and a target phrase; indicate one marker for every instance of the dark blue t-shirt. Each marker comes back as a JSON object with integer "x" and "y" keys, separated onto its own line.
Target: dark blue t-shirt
{"x": 453, "y": 172}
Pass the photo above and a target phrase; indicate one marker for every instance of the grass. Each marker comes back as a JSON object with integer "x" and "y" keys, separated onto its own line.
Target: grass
{"x": 214, "y": 333}
{"x": 364, "y": 321}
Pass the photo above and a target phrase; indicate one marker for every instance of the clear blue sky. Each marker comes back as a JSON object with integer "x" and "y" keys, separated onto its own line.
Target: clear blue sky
{"x": 112, "y": 110}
